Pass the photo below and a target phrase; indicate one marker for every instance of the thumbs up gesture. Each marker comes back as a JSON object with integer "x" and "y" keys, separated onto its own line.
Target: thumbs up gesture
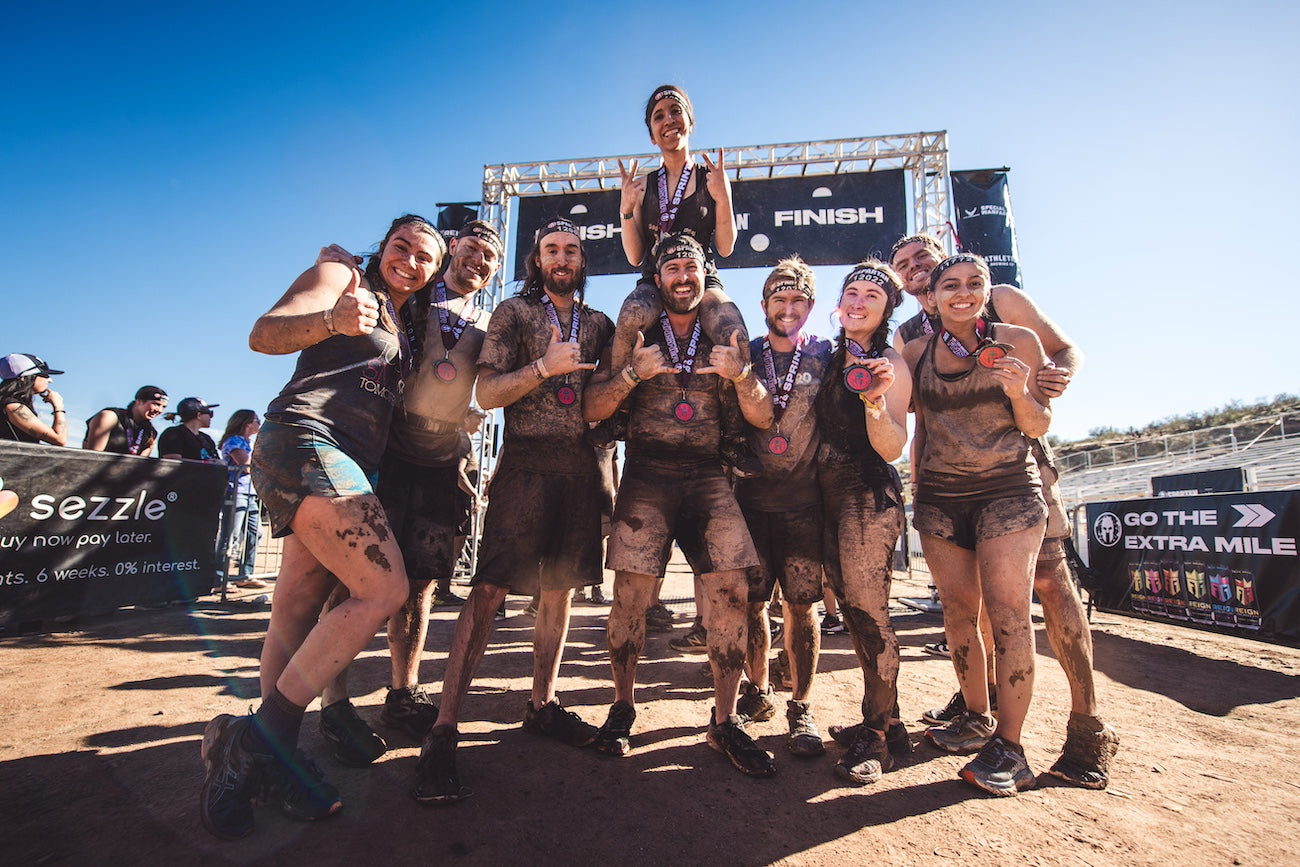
{"x": 356, "y": 311}
{"x": 729, "y": 360}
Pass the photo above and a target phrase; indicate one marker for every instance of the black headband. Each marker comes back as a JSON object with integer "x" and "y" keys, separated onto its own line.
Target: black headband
{"x": 787, "y": 283}
{"x": 559, "y": 224}
{"x": 679, "y": 247}
{"x": 484, "y": 233}
{"x": 959, "y": 259}
{"x": 870, "y": 275}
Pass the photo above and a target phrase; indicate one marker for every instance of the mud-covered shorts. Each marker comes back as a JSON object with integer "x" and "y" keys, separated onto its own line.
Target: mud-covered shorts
{"x": 789, "y": 547}
{"x": 969, "y": 521}
{"x": 292, "y": 462}
{"x": 693, "y": 505}
{"x": 423, "y": 511}
{"x": 541, "y": 532}
{"x": 1058, "y": 522}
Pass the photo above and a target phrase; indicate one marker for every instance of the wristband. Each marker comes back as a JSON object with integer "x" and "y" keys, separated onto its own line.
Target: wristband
{"x": 744, "y": 374}
{"x": 629, "y": 373}
{"x": 627, "y": 216}
{"x": 538, "y": 370}
{"x": 329, "y": 321}
{"x": 57, "y": 411}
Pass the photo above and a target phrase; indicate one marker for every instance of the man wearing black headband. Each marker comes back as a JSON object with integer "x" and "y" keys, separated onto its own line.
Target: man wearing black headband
{"x": 673, "y": 487}
{"x": 541, "y": 534}
{"x": 418, "y": 484}
{"x": 783, "y": 506}
{"x": 1089, "y": 742}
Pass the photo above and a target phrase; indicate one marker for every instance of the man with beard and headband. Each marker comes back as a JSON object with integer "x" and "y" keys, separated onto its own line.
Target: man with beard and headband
{"x": 418, "y": 485}
{"x": 541, "y": 533}
{"x": 1090, "y": 743}
{"x": 783, "y": 506}
{"x": 674, "y": 488}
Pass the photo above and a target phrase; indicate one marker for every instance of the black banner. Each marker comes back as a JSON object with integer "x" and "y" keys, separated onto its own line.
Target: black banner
{"x": 985, "y": 225}
{"x": 1204, "y": 482}
{"x": 827, "y": 220}
{"x": 87, "y": 532}
{"x": 1227, "y": 562}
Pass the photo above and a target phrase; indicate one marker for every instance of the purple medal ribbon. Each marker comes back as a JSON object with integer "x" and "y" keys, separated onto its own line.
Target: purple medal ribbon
{"x": 781, "y": 390}
{"x": 407, "y": 342}
{"x": 451, "y": 331}
{"x": 981, "y": 325}
{"x": 683, "y": 365}
{"x": 564, "y": 394}
{"x": 667, "y": 212}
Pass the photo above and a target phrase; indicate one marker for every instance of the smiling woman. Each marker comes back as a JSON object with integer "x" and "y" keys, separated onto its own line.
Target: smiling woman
{"x": 314, "y": 468}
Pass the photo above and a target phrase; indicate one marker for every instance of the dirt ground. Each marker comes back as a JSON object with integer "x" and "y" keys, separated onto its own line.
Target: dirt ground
{"x": 99, "y": 757}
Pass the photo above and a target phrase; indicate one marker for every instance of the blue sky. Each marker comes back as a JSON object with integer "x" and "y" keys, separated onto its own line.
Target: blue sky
{"x": 167, "y": 172}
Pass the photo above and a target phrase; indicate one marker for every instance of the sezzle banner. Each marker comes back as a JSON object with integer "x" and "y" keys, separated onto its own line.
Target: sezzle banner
{"x": 985, "y": 225}
{"x": 827, "y": 220}
{"x": 84, "y": 532}
{"x": 1226, "y": 562}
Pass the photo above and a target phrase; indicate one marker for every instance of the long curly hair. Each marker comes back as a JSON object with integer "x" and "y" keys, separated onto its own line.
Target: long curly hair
{"x": 532, "y": 286}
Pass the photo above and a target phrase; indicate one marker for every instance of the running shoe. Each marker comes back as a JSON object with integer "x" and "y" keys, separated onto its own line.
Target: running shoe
{"x": 445, "y": 598}
{"x": 658, "y": 618}
{"x": 731, "y": 739}
{"x": 597, "y": 595}
{"x": 939, "y": 648}
{"x": 553, "y": 721}
{"x": 355, "y": 743}
{"x": 775, "y": 630}
{"x": 955, "y": 707}
{"x": 964, "y": 734}
{"x": 409, "y": 709}
{"x": 615, "y": 736}
{"x": 898, "y": 740}
{"x": 695, "y": 641}
{"x": 1090, "y": 744}
{"x": 804, "y": 738}
{"x": 436, "y": 779}
{"x": 232, "y": 778}
{"x": 866, "y": 759}
{"x": 530, "y": 611}
{"x": 755, "y": 705}
{"x": 832, "y": 625}
{"x": 1000, "y": 769}
{"x": 299, "y": 788}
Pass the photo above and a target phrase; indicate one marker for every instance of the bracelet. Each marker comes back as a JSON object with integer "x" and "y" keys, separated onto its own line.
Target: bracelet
{"x": 57, "y": 411}
{"x": 629, "y": 373}
{"x": 873, "y": 409}
{"x": 539, "y": 370}
{"x": 627, "y": 216}
{"x": 329, "y": 321}
{"x": 744, "y": 374}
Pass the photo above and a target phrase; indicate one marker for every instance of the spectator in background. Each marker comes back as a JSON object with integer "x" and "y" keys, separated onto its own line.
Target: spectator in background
{"x": 24, "y": 377}
{"x": 129, "y": 430}
{"x": 187, "y": 439}
{"x": 244, "y": 523}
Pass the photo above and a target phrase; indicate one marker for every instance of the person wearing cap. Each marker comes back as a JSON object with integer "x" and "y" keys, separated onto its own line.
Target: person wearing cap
{"x": 25, "y": 376}
{"x": 541, "y": 532}
{"x": 674, "y": 488}
{"x": 127, "y": 430}
{"x": 314, "y": 470}
{"x": 1089, "y": 743}
{"x": 187, "y": 441}
{"x": 418, "y": 485}
{"x": 783, "y": 507}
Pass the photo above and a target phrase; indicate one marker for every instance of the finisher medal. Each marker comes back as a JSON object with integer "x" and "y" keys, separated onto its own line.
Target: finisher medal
{"x": 683, "y": 411}
{"x": 989, "y": 354}
{"x": 857, "y": 378}
{"x": 566, "y": 395}
{"x": 778, "y": 445}
{"x": 445, "y": 370}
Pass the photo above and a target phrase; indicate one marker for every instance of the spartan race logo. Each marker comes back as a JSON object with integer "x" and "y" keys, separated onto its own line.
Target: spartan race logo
{"x": 1108, "y": 529}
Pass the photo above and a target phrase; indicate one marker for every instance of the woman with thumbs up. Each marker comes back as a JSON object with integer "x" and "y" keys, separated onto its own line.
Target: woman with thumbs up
{"x": 314, "y": 469}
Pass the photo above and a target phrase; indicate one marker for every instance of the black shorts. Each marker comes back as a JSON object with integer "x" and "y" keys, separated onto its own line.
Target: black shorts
{"x": 541, "y": 532}
{"x": 967, "y": 522}
{"x": 421, "y": 509}
{"x": 789, "y": 546}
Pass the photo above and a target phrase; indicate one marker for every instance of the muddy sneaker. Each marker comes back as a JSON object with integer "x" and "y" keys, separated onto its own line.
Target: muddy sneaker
{"x": 436, "y": 780}
{"x": 553, "y": 721}
{"x": 409, "y": 709}
{"x": 964, "y": 734}
{"x": 658, "y": 618}
{"x": 597, "y": 595}
{"x": 804, "y": 738}
{"x": 755, "y": 705}
{"x": 866, "y": 760}
{"x": 445, "y": 598}
{"x": 232, "y": 779}
{"x": 695, "y": 641}
{"x": 615, "y": 737}
{"x": 1090, "y": 744}
{"x": 355, "y": 743}
{"x": 832, "y": 625}
{"x": 939, "y": 648}
{"x": 898, "y": 740}
{"x": 298, "y": 787}
{"x": 781, "y": 670}
{"x": 730, "y": 739}
{"x": 846, "y": 735}
{"x": 1000, "y": 769}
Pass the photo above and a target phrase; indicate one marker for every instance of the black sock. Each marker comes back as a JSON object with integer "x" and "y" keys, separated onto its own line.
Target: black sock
{"x": 276, "y": 725}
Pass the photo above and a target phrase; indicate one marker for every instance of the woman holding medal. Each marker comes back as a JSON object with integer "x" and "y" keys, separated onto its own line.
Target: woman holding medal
{"x": 313, "y": 469}
{"x": 862, "y": 416}
{"x": 979, "y": 508}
